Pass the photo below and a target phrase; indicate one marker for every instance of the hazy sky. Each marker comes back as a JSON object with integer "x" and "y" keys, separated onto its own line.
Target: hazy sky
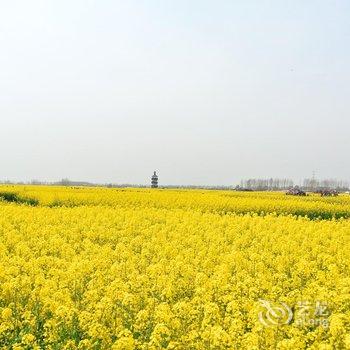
{"x": 205, "y": 92}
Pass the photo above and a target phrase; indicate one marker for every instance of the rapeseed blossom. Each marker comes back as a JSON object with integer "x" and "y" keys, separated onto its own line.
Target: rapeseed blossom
{"x": 92, "y": 268}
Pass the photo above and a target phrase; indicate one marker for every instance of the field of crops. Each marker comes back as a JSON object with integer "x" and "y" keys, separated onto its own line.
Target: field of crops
{"x": 97, "y": 268}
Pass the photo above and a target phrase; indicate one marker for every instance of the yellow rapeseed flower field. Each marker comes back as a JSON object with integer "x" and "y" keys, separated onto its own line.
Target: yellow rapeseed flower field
{"x": 96, "y": 268}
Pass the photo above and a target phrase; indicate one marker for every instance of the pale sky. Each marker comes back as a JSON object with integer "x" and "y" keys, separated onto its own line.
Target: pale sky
{"x": 204, "y": 92}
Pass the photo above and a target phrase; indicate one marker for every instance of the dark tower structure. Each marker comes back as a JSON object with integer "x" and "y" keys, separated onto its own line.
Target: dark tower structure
{"x": 154, "y": 180}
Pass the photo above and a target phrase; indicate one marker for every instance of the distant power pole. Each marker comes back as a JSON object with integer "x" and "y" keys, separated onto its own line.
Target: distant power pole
{"x": 154, "y": 180}
{"x": 313, "y": 180}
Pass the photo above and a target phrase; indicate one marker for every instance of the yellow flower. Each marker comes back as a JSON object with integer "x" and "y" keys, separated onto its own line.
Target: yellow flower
{"x": 6, "y": 313}
{"x": 28, "y": 339}
{"x": 149, "y": 269}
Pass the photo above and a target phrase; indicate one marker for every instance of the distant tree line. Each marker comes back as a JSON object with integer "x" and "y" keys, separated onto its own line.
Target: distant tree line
{"x": 329, "y": 184}
{"x": 272, "y": 184}
{"x": 266, "y": 184}
{"x": 310, "y": 185}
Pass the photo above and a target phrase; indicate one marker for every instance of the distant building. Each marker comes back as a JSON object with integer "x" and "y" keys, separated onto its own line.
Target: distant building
{"x": 154, "y": 180}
